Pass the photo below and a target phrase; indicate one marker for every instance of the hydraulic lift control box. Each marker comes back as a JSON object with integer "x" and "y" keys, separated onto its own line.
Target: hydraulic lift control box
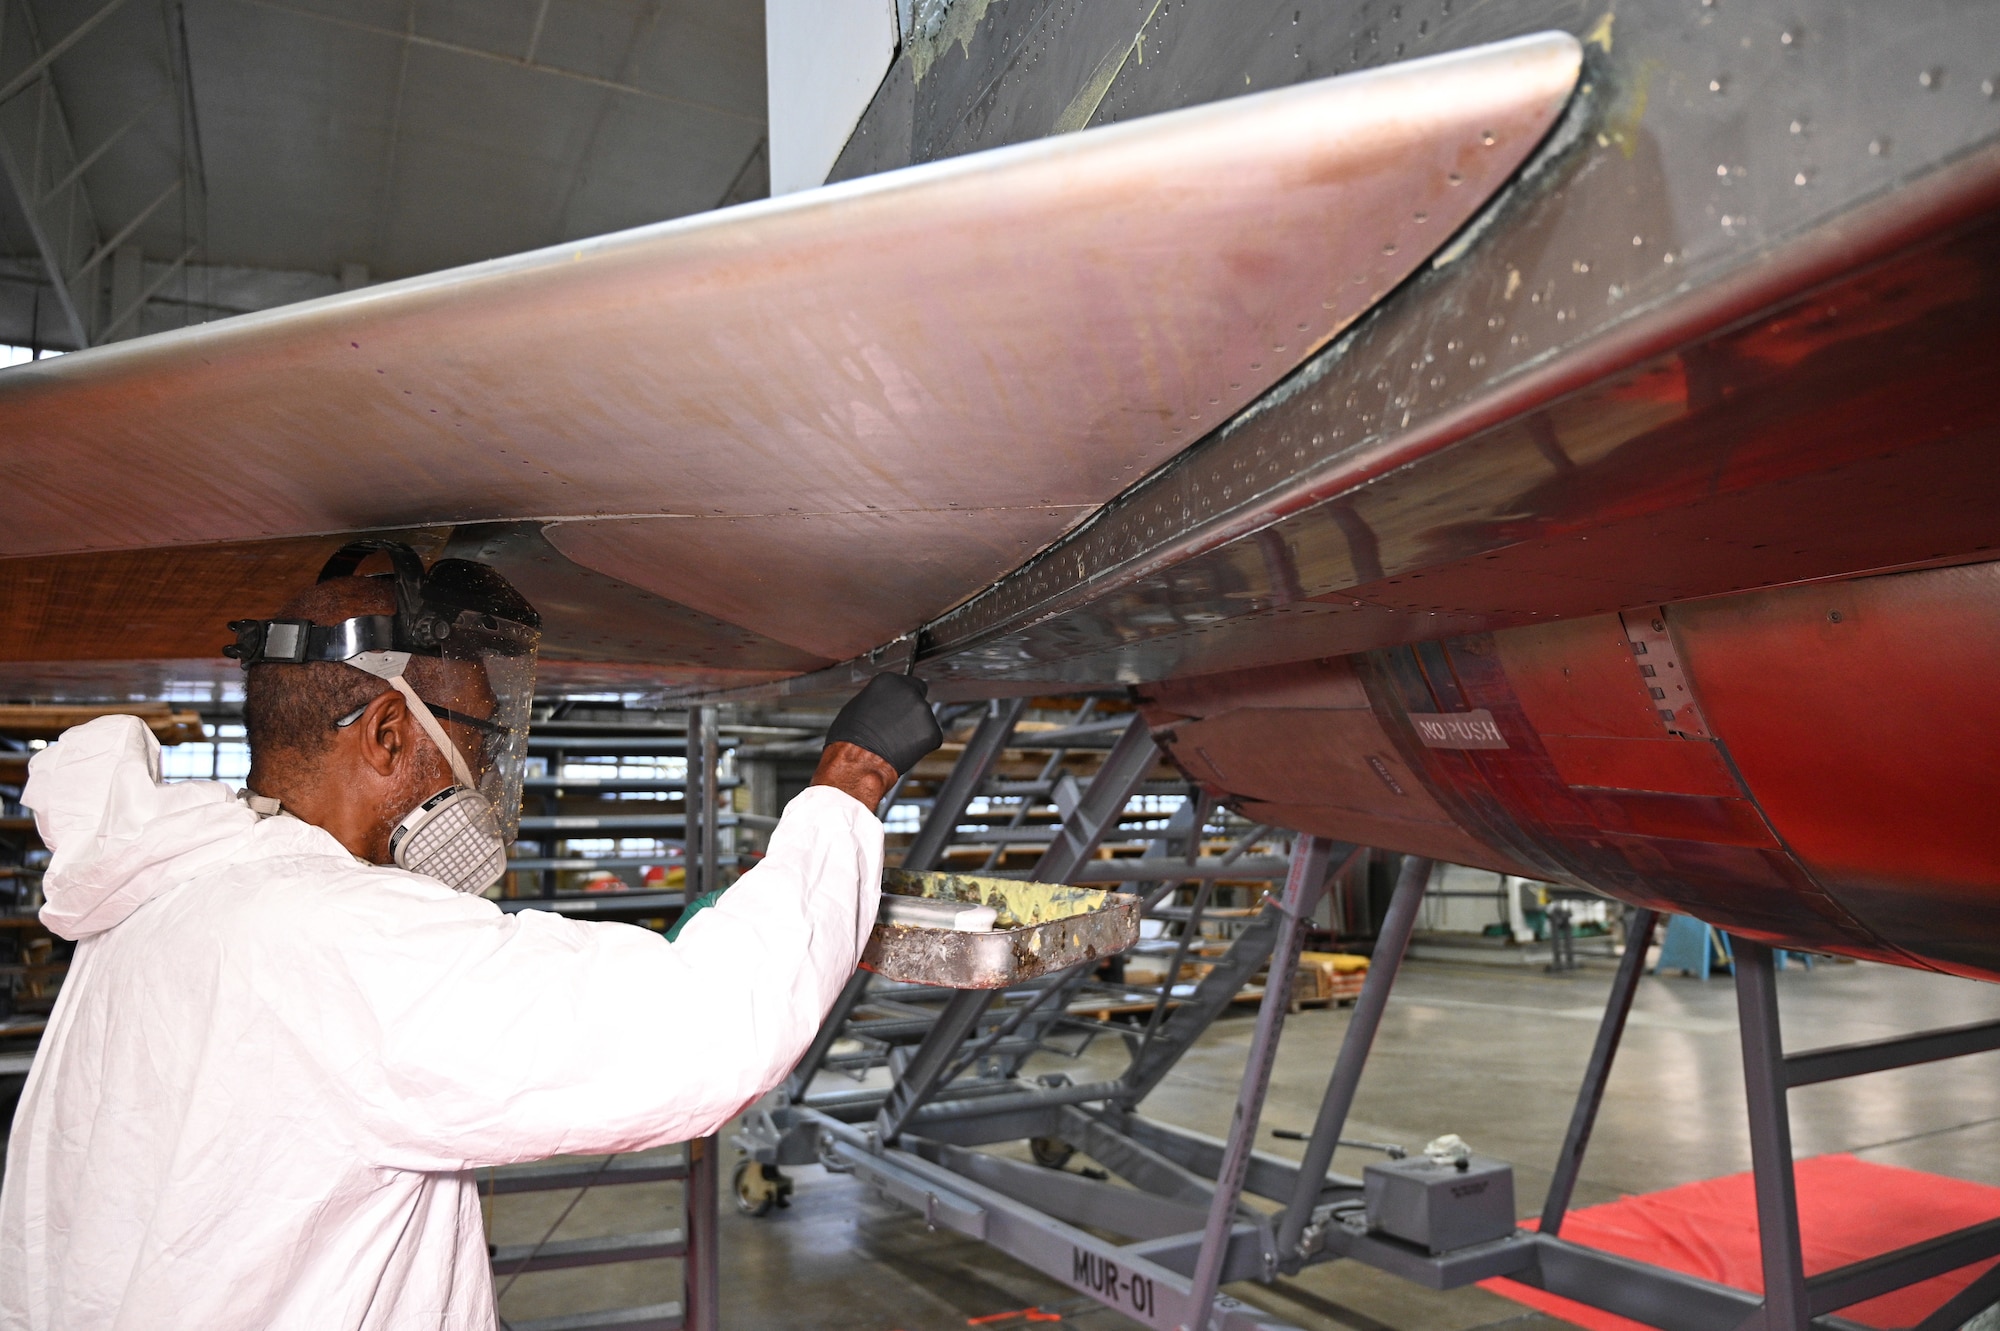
{"x": 1439, "y": 1206}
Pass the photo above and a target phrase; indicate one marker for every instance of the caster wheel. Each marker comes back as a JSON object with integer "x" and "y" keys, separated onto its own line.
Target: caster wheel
{"x": 753, "y": 1198}
{"x": 758, "y": 1188}
{"x": 1050, "y": 1152}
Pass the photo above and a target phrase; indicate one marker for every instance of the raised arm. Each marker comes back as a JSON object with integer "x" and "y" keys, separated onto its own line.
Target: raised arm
{"x": 514, "y": 1038}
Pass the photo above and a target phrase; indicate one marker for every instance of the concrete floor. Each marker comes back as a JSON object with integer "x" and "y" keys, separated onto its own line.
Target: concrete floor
{"x": 1490, "y": 1053}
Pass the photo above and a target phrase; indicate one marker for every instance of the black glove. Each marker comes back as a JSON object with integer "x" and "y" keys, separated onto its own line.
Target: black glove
{"x": 890, "y": 719}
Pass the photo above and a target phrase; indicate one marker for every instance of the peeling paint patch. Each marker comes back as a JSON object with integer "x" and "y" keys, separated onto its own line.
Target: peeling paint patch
{"x": 938, "y": 32}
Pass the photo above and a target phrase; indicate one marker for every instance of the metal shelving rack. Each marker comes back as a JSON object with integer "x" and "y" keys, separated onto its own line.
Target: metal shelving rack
{"x": 699, "y": 824}
{"x": 563, "y": 805}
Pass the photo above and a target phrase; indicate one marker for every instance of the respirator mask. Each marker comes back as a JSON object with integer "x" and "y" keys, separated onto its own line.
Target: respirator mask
{"x": 484, "y": 637}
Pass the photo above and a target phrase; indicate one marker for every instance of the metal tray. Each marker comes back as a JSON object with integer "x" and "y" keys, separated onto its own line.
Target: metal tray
{"x": 1043, "y": 927}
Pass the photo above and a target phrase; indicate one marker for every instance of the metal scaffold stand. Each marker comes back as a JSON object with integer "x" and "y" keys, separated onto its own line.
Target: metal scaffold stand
{"x": 1192, "y": 1213}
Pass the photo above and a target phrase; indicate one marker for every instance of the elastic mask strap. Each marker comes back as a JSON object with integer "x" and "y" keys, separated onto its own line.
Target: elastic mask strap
{"x": 421, "y": 710}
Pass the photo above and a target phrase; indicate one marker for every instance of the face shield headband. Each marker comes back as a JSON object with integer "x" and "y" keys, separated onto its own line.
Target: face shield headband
{"x": 483, "y": 634}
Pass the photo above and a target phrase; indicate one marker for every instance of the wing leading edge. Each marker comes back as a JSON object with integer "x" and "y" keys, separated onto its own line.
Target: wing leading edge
{"x": 810, "y": 423}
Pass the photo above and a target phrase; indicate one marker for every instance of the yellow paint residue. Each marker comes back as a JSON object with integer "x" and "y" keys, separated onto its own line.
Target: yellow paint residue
{"x": 1084, "y": 105}
{"x": 960, "y": 22}
{"x": 1624, "y": 124}
{"x": 1019, "y": 903}
{"x": 1600, "y": 32}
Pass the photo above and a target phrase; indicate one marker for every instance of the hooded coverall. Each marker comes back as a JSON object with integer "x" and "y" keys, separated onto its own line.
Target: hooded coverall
{"x": 272, "y": 1067}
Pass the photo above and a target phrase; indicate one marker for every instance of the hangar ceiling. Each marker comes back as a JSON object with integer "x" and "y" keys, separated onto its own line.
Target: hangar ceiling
{"x": 277, "y": 144}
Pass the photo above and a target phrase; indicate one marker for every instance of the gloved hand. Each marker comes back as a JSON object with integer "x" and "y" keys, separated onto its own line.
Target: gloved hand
{"x": 891, "y": 719}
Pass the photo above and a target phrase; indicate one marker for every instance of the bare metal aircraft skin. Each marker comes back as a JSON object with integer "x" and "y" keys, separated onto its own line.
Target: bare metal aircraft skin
{"x": 747, "y": 443}
{"x": 1639, "y": 538}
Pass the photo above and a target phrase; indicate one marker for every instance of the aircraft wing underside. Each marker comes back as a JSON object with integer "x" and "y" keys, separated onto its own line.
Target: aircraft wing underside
{"x": 742, "y": 446}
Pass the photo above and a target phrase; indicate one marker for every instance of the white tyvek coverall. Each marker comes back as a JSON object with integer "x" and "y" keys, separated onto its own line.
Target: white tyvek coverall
{"x": 271, "y": 1063}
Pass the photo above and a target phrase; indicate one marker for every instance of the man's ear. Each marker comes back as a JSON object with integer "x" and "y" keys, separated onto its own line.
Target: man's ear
{"x": 384, "y": 732}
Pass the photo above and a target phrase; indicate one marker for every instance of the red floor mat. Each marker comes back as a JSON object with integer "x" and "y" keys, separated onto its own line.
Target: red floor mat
{"x": 1848, "y": 1210}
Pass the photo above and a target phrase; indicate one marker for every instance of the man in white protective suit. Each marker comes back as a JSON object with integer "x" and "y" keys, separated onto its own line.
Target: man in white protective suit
{"x": 293, "y": 1027}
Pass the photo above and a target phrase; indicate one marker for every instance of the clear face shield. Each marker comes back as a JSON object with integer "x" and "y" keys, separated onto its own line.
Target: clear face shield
{"x": 477, "y": 642}
{"x": 489, "y": 665}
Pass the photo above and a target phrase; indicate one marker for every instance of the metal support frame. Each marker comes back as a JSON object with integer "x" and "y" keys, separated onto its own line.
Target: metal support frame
{"x": 1076, "y": 842}
{"x": 693, "y": 1244}
{"x": 699, "y": 800}
{"x": 1154, "y": 1295}
{"x": 700, "y": 1277}
{"x": 1390, "y": 945}
{"x": 711, "y": 804}
{"x": 1968, "y": 1303}
{"x": 1044, "y": 783}
{"x": 1103, "y": 801}
{"x": 1190, "y": 930}
{"x": 1310, "y": 863}
{"x": 926, "y": 1070}
{"x": 40, "y": 64}
{"x": 968, "y": 777}
{"x": 109, "y": 142}
{"x": 1785, "y": 1307}
{"x": 61, "y": 236}
{"x": 1793, "y": 1300}
{"x": 1610, "y": 1031}
{"x": 1096, "y": 813}
{"x": 1897, "y": 1051}
{"x": 1215, "y": 992}
{"x": 1167, "y": 1274}
{"x": 41, "y": 164}
{"x": 119, "y": 237}
{"x": 699, "y": 1270}
{"x": 131, "y": 311}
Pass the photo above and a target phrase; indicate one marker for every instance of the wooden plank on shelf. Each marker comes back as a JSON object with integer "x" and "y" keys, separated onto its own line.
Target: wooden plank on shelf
{"x": 37, "y": 721}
